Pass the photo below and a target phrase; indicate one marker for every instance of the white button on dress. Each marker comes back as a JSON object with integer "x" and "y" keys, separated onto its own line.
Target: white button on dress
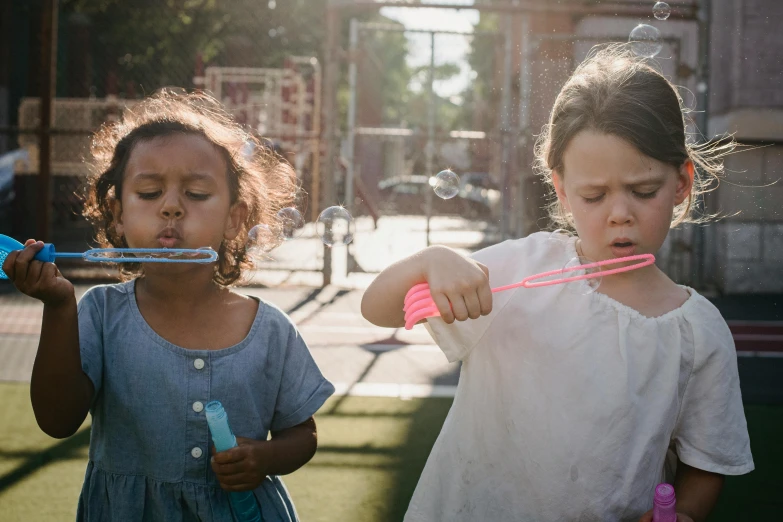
{"x": 196, "y": 452}
{"x": 198, "y": 407}
{"x": 198, "y": 363}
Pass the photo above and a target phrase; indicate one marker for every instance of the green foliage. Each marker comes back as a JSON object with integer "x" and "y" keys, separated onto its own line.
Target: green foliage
{"x": 154, "y": 43}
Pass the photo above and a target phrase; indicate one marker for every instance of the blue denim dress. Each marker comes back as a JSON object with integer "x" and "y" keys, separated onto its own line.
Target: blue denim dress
{"x": 149, "y": 446}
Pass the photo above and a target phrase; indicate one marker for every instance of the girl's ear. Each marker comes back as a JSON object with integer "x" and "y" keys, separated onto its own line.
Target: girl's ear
{"x": 236, "y": 217}
{"x": 116, "y": 211}
{"x": 684, "y": 182}
{"x": 557, "y": 181}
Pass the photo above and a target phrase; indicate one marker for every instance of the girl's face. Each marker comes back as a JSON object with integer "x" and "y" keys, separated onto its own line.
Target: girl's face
{"x": 176, "y": 195}
{"x": 622, "y": 201}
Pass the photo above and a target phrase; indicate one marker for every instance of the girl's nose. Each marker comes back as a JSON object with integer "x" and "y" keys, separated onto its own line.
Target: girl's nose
{"x": 172, "y": 209}
{"x": 620, "y": 213}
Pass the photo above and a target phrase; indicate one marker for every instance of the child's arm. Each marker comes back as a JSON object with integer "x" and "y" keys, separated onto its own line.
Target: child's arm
{"x": 245, "y": 466}
{"x": 60, "y": 391}
{"x": 459, "y": 287}
{"x": 697, "y": 491}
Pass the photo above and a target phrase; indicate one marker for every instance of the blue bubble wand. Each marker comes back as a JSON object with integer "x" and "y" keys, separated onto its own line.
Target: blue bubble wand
{"x": 243, "y": 503}
{"x": 112, "y": 255}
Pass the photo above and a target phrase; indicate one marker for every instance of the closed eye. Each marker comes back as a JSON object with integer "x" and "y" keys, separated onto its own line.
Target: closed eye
{"x": 646, "y": 195}
{"x": 594, "y": 199}
{"x": 198, "y": 196}
{"x": 149, "y": 195}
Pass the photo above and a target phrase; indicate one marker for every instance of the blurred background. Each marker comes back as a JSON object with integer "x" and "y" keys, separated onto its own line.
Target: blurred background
{"x": 368, "y": 100}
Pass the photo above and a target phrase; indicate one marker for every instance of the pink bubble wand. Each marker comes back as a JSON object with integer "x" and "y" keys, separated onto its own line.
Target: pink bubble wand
{"x": 419, "y": 305}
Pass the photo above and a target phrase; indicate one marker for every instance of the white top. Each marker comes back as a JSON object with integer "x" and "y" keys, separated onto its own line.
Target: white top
{"x": 567, "y": 403}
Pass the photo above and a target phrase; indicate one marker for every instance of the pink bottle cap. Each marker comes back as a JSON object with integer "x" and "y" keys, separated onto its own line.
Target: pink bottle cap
{"x": 664, "y": 495}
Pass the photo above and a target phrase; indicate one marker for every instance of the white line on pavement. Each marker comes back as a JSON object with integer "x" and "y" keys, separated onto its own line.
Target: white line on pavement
{"x": 401, "y": 391}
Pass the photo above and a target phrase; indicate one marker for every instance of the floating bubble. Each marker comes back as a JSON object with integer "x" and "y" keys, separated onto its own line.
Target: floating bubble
{"x": 582, "y": 286}
{"x": 661, "y": 10}
{"x": 260, "y": 239}
{"x": 445, "y": 184}
{"x": 645, "y": 40}
{"x": 334, "y": 226}
{"x": 291, "y": 222}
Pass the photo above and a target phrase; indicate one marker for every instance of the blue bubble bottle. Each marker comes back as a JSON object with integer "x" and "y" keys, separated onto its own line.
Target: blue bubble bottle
{"x": 243, "y": 503}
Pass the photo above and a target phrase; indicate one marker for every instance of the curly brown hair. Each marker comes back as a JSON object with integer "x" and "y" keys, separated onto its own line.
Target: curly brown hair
{"x": 615, "y": 92}
{"x": 256, "y": 175}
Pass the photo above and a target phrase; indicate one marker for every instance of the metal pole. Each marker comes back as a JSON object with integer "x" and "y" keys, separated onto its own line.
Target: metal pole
{"x": 316, "y": 143}
{"x": 349, "y": 171}
{"x": 524, "y": 117}
{"x": 329, "y": 128}
{"x": 702, "y": 263}
{"x": 48, "y": 86}
{"x": 430, "y": 148}
{"x": 505, "y": 118}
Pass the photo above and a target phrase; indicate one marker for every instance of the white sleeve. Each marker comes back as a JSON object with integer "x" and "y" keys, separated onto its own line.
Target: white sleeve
{"x": 506, "y": 262}
{"x": 711, "y": 432}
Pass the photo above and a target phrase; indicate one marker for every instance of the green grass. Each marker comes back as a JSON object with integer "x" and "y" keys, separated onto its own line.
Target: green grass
{"x": 371, "y": 452}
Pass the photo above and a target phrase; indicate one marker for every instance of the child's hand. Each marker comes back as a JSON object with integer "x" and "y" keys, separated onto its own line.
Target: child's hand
{"x": 648, "y": 517}
{"x": 240, "y": 468}
{"x": 36, "y": 279}
{"x": 459, "y": 286}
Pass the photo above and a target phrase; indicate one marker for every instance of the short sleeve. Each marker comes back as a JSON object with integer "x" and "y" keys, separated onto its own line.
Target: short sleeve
{"x": 91, "y": 339}
{"x": 303, "y": 389}
{"x": 711, "y": 432}
{"x": 507, "y": 262}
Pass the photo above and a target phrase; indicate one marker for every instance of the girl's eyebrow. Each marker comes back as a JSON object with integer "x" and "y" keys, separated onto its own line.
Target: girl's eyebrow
{"x": 647, "y": 180}
{"x": 154, "y": 176}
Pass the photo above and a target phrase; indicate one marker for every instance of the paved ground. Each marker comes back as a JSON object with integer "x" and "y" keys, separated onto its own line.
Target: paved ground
{"x": 362, "y": 359}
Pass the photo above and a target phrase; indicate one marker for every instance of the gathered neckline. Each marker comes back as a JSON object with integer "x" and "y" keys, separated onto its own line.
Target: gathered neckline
{"x": 628, "y": 310}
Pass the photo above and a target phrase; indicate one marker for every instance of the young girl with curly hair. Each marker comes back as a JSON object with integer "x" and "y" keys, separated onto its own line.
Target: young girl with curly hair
{"x": 145, "y": 356}
{"x": 574, "y": 405}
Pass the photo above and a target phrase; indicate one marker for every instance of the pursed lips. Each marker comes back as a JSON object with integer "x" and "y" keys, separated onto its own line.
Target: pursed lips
{"x": 168, "y": 237}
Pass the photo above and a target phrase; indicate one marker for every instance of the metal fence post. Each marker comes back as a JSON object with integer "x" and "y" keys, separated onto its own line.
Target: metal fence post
{"x": 48, "y": 84}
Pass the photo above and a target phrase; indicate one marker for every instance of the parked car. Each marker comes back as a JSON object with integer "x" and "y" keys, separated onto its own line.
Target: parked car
{"x": 481, "y": 193}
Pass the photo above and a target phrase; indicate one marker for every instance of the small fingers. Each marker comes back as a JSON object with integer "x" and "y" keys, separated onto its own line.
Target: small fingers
{"x": 226, "y": 470}
{"x": 24, "y": 258}
{"x": 473, "y": 305}
{"x": 458, "y": 306}
{"x": 228, "y": 457}
{"x": 444, "y": 307}
{"x": 485, "y": 299}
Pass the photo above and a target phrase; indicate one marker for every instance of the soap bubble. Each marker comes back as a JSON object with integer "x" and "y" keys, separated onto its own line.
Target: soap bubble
{"x": 291, "y": 222}
{"x": 661, "y": 10}
{"x": 260, "y": 239}
{"x": 645, "y": 40}
{"x": 445, "y": 184}
{"x": 583, "y": 286}
{"x": 334, "y": 226}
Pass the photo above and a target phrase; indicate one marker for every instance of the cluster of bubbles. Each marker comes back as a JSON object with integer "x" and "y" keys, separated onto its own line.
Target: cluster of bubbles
{"x": 334, "y": 226}
{"x": 645, "y": 39}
